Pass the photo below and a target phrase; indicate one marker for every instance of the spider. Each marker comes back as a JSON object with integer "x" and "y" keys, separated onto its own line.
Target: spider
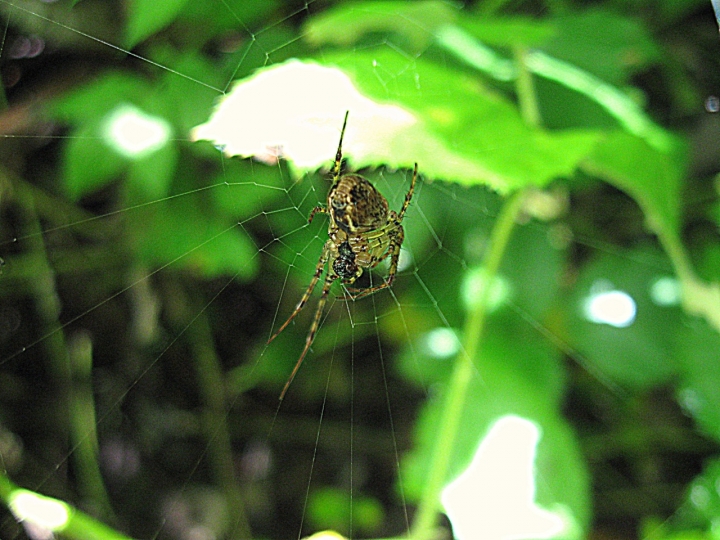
{"x": 362, "y": 232}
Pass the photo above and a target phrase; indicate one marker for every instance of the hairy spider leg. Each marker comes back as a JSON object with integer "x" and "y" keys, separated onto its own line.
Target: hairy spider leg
{"x": 305, "y": 297}
{"x": 338, "y": 155}
{"x": 316, "y": 276}
{"x": 409, "y": 194}
{"x": 316, "y": 210}
{"x": 329, "y": 279}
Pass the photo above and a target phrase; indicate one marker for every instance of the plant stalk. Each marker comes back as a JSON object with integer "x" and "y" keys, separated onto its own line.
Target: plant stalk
{"x": 425, "y": 520}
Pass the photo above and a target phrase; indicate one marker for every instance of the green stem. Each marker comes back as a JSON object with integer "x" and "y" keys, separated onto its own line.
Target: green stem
{"x": 41, "y": 287}
{"x": 426, "y": 517}
{"x": 83, "y": 428}
{"x": 214, "y": 414}
{"x": 527, "y": 99}
{"x": 464, "y": 368}
{"x": 53, "y": 514}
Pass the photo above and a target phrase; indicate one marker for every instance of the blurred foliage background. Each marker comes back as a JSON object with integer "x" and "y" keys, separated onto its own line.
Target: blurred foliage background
{"x": 138, "y": 291}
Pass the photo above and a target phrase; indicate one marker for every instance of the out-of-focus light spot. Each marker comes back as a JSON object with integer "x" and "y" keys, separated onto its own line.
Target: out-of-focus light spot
{"x": 256, "y": 461}
{"x": 609, "y": 306}
{"x": 699, "y": 496}
{"x": 326, "y": 535}
{"x": 135, "y": 134}
{"x": 301, "y": 120}
{"x": 405, "y": 261}
{"x": 26, "y": 47}
{"x": 546, "y": 205}
{"x": 689, "y": 401}
{"x": 473, "y": 290}
{"x": 120, "y": 460}
{"x": 43, "y": 511}
{"x": 442, "y": 343}
{"x": 712, "y": 104}
{"x": 665, "y": 291}
{"x": 494, "y": 498}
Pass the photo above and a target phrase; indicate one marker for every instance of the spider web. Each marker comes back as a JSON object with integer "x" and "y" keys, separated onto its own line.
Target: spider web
{"x": 338, "y": 438}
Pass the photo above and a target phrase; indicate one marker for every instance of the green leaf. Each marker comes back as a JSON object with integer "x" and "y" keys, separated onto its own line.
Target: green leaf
{"x": 233, "y": 14}
{"x": 330, "y": 508}
{"x": 181, "y": 99}
{"x": 467, "y": 133}
{"x": 146, "y": 17}
{"x": 636, "y": 353}
{"x": 88, "y": 163}
{"x": 150, "y": 177}
{"x": 94, "y": 100}
{"x": 609, "y": 45}
{"x": 246, "y": 189}
{"x": 454, "y": 127}
{"x": 571, "y": 104}
{"x": 509, "y": 31}
{"x": 518, "y": 372}
{"x": 699, "y": 390}
{"x": 180, "y": 231}
{"x": 348, "y": 22}
{"x": 651, "y": 177}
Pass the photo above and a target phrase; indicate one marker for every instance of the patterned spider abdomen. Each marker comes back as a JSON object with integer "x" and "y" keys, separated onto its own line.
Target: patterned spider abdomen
{"x": 355, "y": 205}
{"x": 344, "y": 265}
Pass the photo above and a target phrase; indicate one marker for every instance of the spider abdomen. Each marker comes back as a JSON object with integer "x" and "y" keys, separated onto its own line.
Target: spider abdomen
{"x": 345, "y": 265}
{"x": 356, "y": 206}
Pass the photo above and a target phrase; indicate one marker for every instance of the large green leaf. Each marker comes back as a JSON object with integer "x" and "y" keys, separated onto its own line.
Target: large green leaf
{"x": 150, "y": 176}
{"x": 509, "y": 31}
{"x": 464, "y": 132}
{"x": 448, "y": 122}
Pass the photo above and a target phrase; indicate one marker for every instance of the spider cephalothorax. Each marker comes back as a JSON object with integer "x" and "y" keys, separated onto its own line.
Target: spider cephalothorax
{"x": 362, "y": 232}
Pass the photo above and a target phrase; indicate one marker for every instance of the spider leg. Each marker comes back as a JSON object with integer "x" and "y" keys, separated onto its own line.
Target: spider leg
{"x": 316, "y": 210}
{"x": 409, "y": 194}
{"x": 394, "y": 253}
{"x": 338, "y": 155}
{"x": 305, "y": 297}
{"x": 329, "y": 278}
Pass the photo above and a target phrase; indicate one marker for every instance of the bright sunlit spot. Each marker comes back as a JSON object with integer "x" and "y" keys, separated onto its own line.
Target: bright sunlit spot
{"x": 442, "y": 343}
{"x": 665, "y": 291}
{"x": 610, "y": 306}
{"x": 135, "y": 134}
{"x": 406, "y": 260}
{"x": 326, "y": 535}
{"x": 494, "y": 498}
{"x": 45, "y": 512}
{"x": 303, "y": 124}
